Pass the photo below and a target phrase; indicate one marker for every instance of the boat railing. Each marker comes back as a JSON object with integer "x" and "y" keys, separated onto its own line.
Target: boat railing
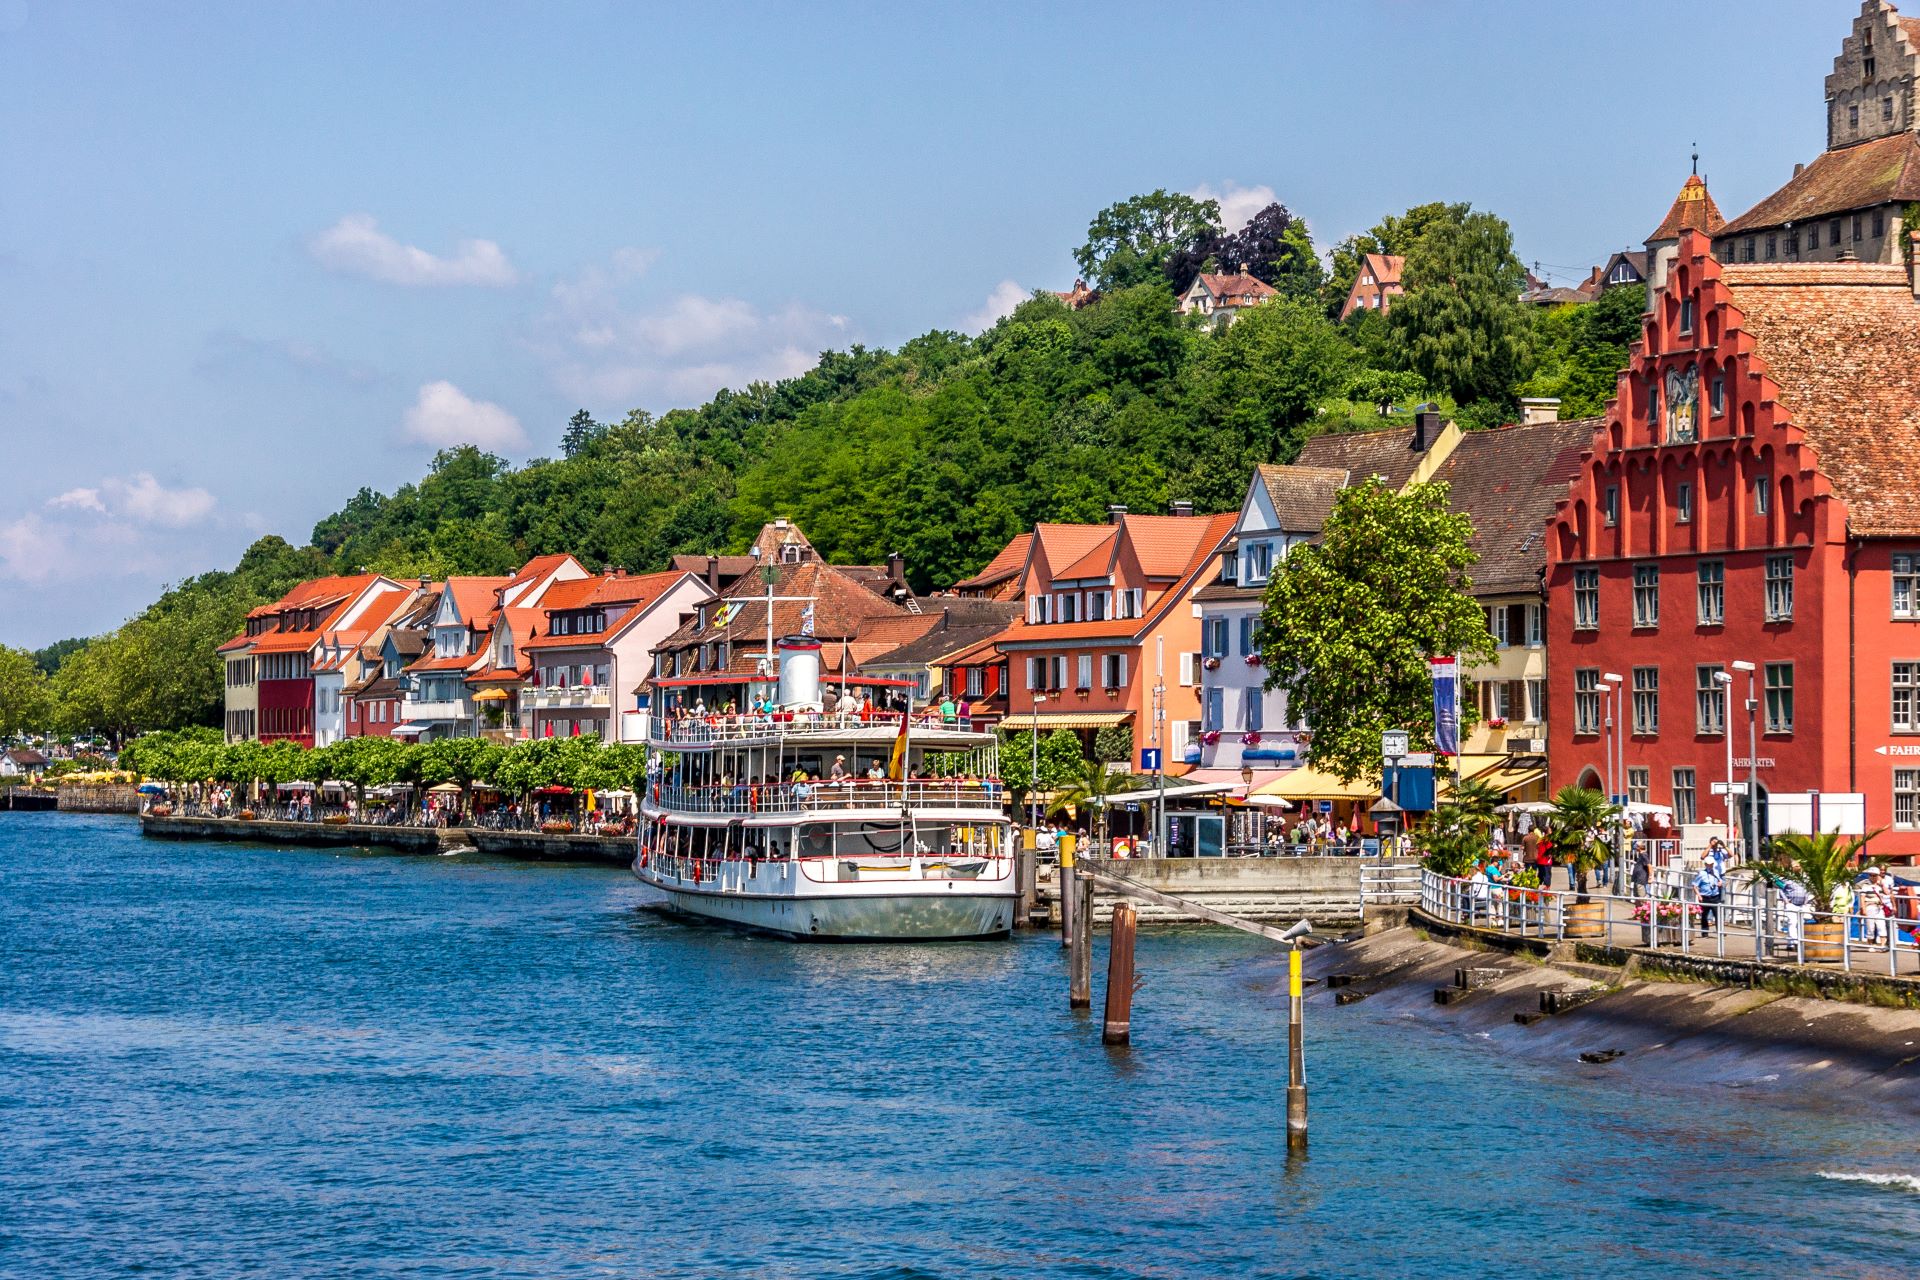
{"x": 691, "y": 731}
{"x": 748, "y": 798}
{"x": 953, "y": 864}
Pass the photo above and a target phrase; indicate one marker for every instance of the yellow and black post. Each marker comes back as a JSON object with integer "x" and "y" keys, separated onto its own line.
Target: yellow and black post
{"x": 1296, "y": 1054}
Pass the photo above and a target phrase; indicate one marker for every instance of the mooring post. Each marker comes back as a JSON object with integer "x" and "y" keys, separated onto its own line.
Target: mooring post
{"x": 1064, "y": 887}
{"x": 1080, "y": 954}
{"x": 1119, "y": 1023}
{"x": 1024, "y": 864}
{"x": 1296, "y": 1054}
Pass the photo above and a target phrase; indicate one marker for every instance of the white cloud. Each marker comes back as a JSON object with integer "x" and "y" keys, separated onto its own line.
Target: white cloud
{"x": 356, "y": 246}
{"x": 139, "y": 498}
{"x": 227, "y": 352}
{"x": 30, "y": 551}
{"x": 143, "y": 499}
{"x": 78, "y": 500}
{"x": 444, "y": 416}
{"x": 1238, "y": 204}
{"x": 1000, "y": 303}
{"x": 604, "y": 350}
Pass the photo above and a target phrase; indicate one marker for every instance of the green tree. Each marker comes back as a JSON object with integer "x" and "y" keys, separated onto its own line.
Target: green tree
{"x": 1088, "y": 791}
{"x": 1349, "y": 624}
{"x": 582, "y": 431}
{"x": 1461, "y": 321}
{"x": 1114, "y": 744}
{"x": 1822, "y": 863}
{"x": 1393, "y": 234}
{"x": 1130, "y": 243}
{"x": 1583, "y": 348}
{"x": 25, "y": 704}
{"x": 1580, "y": 828}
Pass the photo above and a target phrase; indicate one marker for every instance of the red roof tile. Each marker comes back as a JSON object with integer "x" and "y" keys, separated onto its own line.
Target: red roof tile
{"x": 1012, "y": 559}
{"x": 475, "y": 599}
{"x": 1883, "y": 171}
{"x": 1237, "y": 289}
{"x": 1693, "y": 210}
{"x": 1839, "y": 339}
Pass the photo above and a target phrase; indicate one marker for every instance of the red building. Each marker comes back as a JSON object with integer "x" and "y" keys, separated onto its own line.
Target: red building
{"x": 1751, "y": 496}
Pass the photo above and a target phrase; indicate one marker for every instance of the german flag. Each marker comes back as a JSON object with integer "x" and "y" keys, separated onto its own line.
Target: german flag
{"x": 897, "y": 767}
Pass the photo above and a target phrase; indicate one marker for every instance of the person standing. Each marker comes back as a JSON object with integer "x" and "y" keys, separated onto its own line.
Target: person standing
{"x": 1708, "y": 884}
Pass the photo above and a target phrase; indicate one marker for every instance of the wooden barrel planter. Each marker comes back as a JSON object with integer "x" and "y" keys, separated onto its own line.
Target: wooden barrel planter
{"x": 1823, "y": 938}
{"x": 1585, "y": 920}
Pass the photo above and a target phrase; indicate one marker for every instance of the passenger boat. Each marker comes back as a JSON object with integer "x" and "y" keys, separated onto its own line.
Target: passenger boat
{"x": 817, "y": 825}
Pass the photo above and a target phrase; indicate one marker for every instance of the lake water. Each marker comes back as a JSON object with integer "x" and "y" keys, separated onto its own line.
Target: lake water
{"x": 226, "y": 1060}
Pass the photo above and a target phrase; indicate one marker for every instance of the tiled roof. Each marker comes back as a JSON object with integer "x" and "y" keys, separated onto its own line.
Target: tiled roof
{"x": 1693, "y": 210}
{"x": 1208, "y": 532}
{"x": 1508, "y": 482}
{"x": 1883, "y": 171}
{"x": 455, "y": 662}
{"x": 1839, "y": 339}
{"x": 535, "y": 569}
{"x": 1217, "y": 591}
{"x": 237, "y": 643}
{"x": 1386, "y": 267}
{"x": 1062, "y": 544}
{"x": 775, "y": 535}
{"x": 476, "y": 598}
{"x": 843, "y": 608}
{"x": 1236, "y": 290}
{"x": 942, "y": 641}
{"x": 1302, "y": 496}
{"x": 1012, "y": 558}
{"x": 1096, "y": 561}
{"x": 285, "y": 641}
{"x": 1363, "y": 454}
{"x": 1165, "y": 545}
{"x": 379, "y": 686}
{"x": 497, "y": 675}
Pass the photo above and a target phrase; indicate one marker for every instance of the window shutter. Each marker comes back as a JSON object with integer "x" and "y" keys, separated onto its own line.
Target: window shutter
{"x": 1121, "y": 663}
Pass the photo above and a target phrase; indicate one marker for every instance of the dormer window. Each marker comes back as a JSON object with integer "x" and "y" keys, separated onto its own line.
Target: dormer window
{"x": 1230, "y": 565}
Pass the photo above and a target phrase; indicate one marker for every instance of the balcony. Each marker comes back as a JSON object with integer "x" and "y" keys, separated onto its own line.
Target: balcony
{"x": 556, "y": 697}
{"x": 701, "y": 731}
{"x": 825, "y": 799}
{"x": 445, "y": 709}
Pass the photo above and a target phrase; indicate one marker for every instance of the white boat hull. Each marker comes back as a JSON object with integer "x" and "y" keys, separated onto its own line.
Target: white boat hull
{"x": 792, "y": 907}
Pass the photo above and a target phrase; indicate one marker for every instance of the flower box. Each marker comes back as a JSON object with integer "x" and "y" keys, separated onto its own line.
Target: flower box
{"x": 1669, "y": 910}
{"x": 1253, "y": 659}
{"x": 245, "y": 815}
{"x": 1210, "y": 737}
{"x": 1211, "y": 664}
{"x": 1497, "y": 722}
{"x": 556, "y": 828}
{"x": 1250, "y": 739}
{"x": 336, "y": 820}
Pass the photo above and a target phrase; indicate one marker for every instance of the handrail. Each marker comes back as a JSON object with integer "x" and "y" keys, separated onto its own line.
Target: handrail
{"x": 1749, "y": 919}
{"x": 708, "y": 729}
{"x": 747, "y": 798}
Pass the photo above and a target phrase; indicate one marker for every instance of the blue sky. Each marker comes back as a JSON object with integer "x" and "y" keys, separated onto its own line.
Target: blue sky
{"x": 254, "y": 257}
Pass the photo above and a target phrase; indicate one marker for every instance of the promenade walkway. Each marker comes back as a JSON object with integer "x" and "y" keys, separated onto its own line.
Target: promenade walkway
{"x": 1752, "y": 923}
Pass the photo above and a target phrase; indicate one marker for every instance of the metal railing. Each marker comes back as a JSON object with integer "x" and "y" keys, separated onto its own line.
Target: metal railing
{"x": 1749, "y": 920}
{"x": 706, "y": 730}
{"x": 566, "y": 696}
{"x": 1390, "y": 883}
{"x": 746, "y": 799}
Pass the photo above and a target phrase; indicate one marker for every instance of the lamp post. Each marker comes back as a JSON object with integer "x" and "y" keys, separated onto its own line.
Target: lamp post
{"x": 1753, "y": 762}
{"x": 1033, "y": 778}
{"x": 1616, "y": 734}
{"x": 1725, "y": 681}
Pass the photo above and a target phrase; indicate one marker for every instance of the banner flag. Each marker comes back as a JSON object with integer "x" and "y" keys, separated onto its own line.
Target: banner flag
{"x": 1446, "y": 706}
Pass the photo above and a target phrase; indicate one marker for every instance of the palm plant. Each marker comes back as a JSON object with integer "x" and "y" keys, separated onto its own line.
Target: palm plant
{"x": 1581, "y": 824}
{"x": 1089, "y": 787}
{"x": 1823, "y": 863}
{"x": 1476, "y": 802}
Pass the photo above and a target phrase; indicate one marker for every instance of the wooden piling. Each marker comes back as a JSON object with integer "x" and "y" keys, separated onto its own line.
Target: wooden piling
{"x": 1118, "y": 1027}
{"x": 1066, "y": 886}
{"x": 1025, "y": 865}
{"x": 1296, "y": 1054}
{"x": 1080, "y": 954}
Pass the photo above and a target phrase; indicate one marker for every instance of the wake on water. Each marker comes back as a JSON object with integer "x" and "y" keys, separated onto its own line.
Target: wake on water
{"x": 1900, "y": 1181}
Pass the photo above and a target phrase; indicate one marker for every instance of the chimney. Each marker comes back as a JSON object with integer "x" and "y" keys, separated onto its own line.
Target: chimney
{"x": 426, "y": 583}
{"x": 1797, "y": 167}
{"x": 1426, "y": 426}
{"x": 1535, "y": 410}
{"x": 1845, "y": 255}
{"x": 1179, "y": 507}
{"x": 896, "y": 571}
{"x": 713, "y": 572}
{"x": 1116, "y": 513}
{"x": 779, "y": 522}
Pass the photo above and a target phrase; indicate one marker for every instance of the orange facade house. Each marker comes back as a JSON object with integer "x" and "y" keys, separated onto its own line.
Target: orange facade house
{"x": 1108, "y": 616}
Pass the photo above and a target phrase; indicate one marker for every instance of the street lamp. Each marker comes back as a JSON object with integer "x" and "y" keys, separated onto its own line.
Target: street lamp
{"x": 1753, "y": 762}
{"x": 1033, "y": 778}
{"x": 1615, "y": 685}
{"x": 1725, "y": 681}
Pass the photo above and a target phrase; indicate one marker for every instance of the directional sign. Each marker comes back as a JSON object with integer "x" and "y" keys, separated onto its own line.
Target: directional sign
{"x": 1394, "y": 743}
{"x": 1899, "y": 749}
{"x": 1726, "y": 789}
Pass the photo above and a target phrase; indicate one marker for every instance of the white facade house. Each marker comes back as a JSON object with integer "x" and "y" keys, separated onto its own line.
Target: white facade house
{"x": 1242, "y": 722}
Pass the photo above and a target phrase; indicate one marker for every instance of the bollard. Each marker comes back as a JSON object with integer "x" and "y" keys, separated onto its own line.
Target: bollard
{"x": 1080, "y": 952}
{"x": 1296, "y": 1055}
{"x": 1064, "y": 879}
{"x": 1119, "y": 1021}
{"x": 1025, "y": 878}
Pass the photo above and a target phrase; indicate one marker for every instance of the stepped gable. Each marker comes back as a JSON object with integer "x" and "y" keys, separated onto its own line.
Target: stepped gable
{"x": 1839, "y": 340}
{"x": 1509, "y": 481}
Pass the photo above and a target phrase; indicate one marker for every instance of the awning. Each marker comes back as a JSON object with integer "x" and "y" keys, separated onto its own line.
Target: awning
{"x": 1048, "y": 720}
{"x": 490, "y": 695}
{"x": 410, "y": 729}
{"x": 1308, "y": 783}
{"x": 1504, "y": 773}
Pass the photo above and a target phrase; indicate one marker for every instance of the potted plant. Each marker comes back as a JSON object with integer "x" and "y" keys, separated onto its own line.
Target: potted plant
{"x": 1824, "y": 865}
{"x": 1211, "y": 664}
{"x": 1250, "y": 738}
{"x": 1497, "y": 722}
{"x": 1253, "y": 659}
{"x": 1580, "y": 826}
{"x": 1210, "y": 737}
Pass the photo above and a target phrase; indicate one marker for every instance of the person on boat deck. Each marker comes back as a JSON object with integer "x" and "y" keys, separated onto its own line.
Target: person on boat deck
{"x": 802, "y": 789}
{"x": 875, "y": 773}
{"x": 965, "y": 711}
{"x": 700, "y": 707}
{"x": 949, "y": 713}
{"x": 839, "y": 771}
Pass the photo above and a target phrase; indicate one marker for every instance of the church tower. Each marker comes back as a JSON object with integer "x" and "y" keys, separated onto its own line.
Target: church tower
{"x": 1871, "y": 91}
